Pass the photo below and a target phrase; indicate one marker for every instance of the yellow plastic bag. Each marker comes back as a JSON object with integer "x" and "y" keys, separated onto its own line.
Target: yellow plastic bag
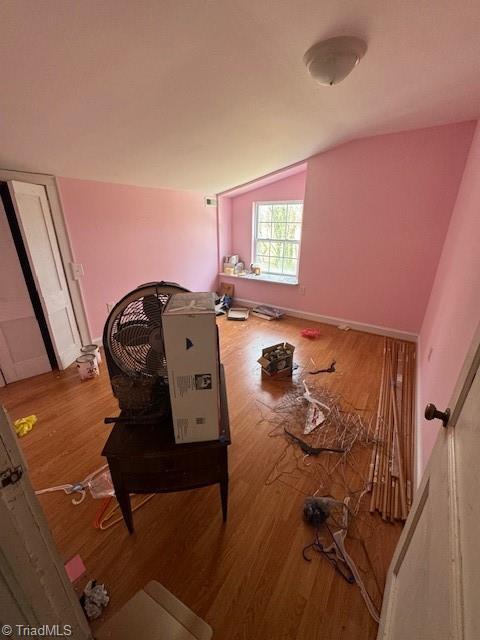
{"x": 24, "y": 425}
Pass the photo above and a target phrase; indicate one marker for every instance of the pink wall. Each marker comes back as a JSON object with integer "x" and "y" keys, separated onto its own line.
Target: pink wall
{"x": 125, "y": 235}
{"x": 376, "y": 213}
{"x": 453, "y": 311}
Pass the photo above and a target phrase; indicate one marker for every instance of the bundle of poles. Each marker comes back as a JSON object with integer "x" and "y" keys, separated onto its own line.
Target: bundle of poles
{"x": 391, "y": 467}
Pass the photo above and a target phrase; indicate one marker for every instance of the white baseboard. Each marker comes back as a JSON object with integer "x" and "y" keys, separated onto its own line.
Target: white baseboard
{"x": 98, "y": 342}
{"x": 358, "y": 326}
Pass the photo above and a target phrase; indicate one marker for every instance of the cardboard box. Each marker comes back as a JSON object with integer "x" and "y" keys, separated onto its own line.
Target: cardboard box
{"x": 277, "y": 360}
{"x": 154, "y": 614}
{"x": 191, "y": 349}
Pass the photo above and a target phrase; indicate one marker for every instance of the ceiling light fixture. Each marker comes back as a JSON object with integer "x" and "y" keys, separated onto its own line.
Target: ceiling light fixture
{"x": 330, "y": 61}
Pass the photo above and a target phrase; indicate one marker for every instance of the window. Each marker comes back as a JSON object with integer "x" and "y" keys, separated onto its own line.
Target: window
{"x": 277, "y": 230}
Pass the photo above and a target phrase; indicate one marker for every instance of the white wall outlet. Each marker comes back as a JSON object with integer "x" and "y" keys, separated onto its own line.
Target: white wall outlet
{"x": 301, "y": 290}
{"x": 110, "y": 306}
{"x": 77, "y": 270}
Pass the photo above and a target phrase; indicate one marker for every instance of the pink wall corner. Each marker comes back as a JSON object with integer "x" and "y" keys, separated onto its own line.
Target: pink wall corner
{"x": 376, "y": 212}
{"x": 125, "y": 236}
{"x": 224, "y": 213}
{"x": 453, "y": 311}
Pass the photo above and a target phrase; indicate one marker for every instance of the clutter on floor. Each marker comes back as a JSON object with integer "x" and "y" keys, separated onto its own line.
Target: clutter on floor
{"x": 75, "y": 568}
{"x": 94, "y": 599}
{"x": 267, "y": 313}
{"x": 310, "y": 333}
{"x": 391, "y": 467}
{"x": 333, "y": 457}
{"x": 330, "y": 369}
{"x": 23, "y": 426}
{"x": 222, "y": 304}
{"x": 99, "y": 483}
{"x": 107, "y": 518}
{"x": 238, "y": 313}
{"x": 87, "y": 366}
{"x": 154, "y": 614}
{"x": 224, "y": 299}
{"x": 94, "y": 350}
{"x": 277, "y": 360}
{"x": 317, "y": 511}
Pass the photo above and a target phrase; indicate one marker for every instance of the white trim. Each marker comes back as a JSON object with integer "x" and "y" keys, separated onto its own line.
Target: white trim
{"x": 98, "y": 341}
{"x": 419, "y": 421}
{"x": 32, "y": 574}
{"x": 50, "y": 184}
{"x": 274, "y": 278}
{"x": 358, "y": 326}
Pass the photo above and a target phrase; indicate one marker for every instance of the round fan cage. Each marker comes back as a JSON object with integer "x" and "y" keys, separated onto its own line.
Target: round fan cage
{"x": 134, "y": 331}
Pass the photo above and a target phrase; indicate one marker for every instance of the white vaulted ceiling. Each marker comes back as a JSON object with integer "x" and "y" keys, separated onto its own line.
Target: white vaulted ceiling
{"x": 208, "y": 94}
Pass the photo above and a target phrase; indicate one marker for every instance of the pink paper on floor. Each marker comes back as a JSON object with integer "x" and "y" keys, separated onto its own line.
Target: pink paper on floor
{"x": 75, "y": 568}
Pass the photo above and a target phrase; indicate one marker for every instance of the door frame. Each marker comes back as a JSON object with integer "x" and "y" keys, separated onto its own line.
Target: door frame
{"x": 64, "y": 244}
{"x": 462, "y": 387}
{"x": 32, "y": 574}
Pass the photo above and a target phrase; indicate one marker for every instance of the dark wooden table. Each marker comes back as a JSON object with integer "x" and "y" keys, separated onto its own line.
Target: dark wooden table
{"x": 143, "y": 458}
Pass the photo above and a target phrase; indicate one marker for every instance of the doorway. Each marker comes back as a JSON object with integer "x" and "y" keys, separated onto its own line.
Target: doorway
{"x": 9, "y": 212}
{"x": 38, "y": 327}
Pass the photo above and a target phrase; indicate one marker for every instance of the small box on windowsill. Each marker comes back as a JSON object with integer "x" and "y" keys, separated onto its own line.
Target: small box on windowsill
{"x": 277, "y": 360}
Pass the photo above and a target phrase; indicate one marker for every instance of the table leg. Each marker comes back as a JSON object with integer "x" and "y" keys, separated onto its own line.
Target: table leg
{"x": 122, "y": 495}
{"x": 123, "y": 498}
{"x": 224, "y": 496}
{"x": 224, "y": 483}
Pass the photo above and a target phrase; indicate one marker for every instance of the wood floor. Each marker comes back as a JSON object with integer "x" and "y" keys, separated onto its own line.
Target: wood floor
{"x": 247, "y": 578}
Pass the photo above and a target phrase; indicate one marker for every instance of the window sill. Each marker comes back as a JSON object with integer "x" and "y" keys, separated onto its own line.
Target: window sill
{"x": 264, "y": 277}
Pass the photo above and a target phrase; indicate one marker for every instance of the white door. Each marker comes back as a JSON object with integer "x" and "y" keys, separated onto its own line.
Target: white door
{"x": 34, "y": 587}
{"x": 433, "y": 585}
{"x": 22, "y": 350}
{"x": 35, "y": 221}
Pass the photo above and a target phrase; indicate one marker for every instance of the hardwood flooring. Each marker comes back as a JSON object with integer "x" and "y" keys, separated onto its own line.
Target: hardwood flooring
{"x": 247, "y": 578}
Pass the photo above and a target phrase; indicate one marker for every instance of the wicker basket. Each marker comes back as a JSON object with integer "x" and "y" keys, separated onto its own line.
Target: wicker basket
{"x": 133, "y": 394}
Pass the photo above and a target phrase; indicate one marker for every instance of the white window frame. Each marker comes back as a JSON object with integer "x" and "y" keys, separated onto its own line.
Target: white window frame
{"x": 279, "y": 276}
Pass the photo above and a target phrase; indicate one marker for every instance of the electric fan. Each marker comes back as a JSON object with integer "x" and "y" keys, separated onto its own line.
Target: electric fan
{"x": 134, "y": 349}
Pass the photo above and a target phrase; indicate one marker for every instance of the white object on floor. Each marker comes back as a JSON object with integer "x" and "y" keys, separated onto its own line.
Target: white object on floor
{"x": 238, "y": 313}
{"x": 92, "y": 348}
{"x": 155, "y": 614}
{"x": 87, "y": 366}
{"x": 315, "y": 416}
{"x": 99, "y": 482}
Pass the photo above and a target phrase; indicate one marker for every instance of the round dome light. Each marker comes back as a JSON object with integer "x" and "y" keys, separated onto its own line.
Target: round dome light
{"x": 330, "y": 61}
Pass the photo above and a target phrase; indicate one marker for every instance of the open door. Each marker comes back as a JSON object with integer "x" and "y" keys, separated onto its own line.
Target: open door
{"x": 34, "y": 587}
{"x": 22, "y": 349}
{"x": 433, "y": 584}
{"x": 38, "y": 233}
